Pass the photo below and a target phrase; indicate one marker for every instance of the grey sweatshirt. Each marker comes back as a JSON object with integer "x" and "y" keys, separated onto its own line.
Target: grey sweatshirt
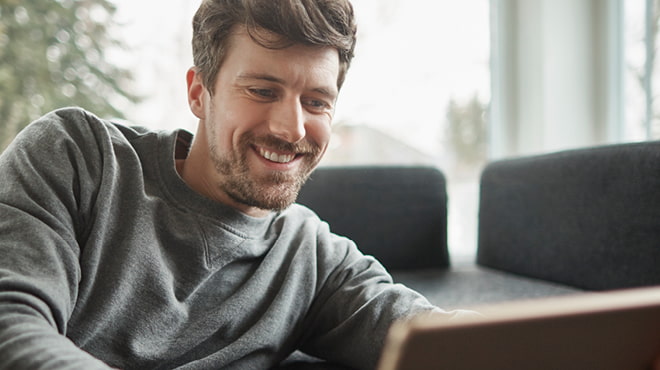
{"x": 107, "y": 258}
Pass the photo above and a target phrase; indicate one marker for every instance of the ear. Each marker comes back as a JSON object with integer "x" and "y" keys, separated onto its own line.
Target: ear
{"x": 197, "y": 96}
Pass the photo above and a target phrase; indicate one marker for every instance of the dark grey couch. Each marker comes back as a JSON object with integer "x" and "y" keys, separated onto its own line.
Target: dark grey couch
{"x": 560, "y": 223}
{"x": 554, "y": 224}
{"x": 586, "y": 218}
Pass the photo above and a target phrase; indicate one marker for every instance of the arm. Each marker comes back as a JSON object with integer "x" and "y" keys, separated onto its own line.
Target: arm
{"x": 356, "y": 306}
{"x": 40, "y": 200}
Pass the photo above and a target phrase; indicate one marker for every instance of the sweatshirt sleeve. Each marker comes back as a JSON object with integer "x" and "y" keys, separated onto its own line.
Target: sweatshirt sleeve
{"x": 42, "y": 194}
{"x": 356, "y": 305}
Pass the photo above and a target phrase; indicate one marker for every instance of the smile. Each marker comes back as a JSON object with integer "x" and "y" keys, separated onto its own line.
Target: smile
{"x": 275, "y": 157}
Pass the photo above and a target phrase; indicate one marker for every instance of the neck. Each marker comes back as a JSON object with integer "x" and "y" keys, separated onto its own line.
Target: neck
{"x": 199, "y": 177}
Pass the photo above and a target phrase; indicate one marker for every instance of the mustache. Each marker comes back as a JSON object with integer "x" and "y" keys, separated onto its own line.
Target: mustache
{"x": 273, "y": 142}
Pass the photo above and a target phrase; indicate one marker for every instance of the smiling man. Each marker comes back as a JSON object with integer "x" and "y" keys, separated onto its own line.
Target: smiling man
{"x": 128, "y": 248}
{"x": 264, "y": 124}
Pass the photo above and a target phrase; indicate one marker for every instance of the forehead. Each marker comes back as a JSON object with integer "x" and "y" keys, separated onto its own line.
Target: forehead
{"x": 319, "y": 64}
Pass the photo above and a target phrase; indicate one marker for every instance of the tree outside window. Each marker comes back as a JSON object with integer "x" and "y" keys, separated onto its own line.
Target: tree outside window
{"x": 55, "y": 54}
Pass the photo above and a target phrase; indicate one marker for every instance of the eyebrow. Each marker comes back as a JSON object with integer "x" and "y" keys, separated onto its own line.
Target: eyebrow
{"x": 260, "y": 76}
{"x": 270, "y": 78}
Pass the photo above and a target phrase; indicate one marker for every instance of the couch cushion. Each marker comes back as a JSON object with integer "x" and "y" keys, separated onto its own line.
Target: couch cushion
{"x": 469, "y": 285}
{"x": 397, "y": 214}
{"x": 589, "y": 218}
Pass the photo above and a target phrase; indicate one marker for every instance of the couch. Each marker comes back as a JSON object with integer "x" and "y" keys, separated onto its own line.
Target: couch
{"x": 551, "y": 224}
{"x": 554, "y": 224}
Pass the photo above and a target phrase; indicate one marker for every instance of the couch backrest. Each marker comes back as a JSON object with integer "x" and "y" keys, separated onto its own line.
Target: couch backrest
{"x": 589, "y": 218}
{"x": 396, "y": 214}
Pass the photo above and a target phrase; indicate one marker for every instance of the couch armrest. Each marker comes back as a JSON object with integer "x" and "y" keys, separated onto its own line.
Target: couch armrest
{"x": 588, "y": 218}
{"x": 396, "y": 214}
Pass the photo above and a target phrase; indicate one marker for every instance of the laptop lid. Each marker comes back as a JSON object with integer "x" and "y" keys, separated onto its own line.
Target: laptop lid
{"x": 616, "y": 330}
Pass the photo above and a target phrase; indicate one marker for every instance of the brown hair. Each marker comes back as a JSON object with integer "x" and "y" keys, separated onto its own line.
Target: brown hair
{"x": 307, "y": 22}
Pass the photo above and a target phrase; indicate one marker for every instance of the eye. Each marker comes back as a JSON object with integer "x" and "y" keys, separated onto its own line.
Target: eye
{"x": 262, "y": 93}
{"x": 316, "y": 104}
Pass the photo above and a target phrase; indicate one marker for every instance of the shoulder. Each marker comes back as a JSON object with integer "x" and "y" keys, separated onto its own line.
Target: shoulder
{"x": 73, "y": 131}
{"x": 66, "y": 125}
{"x": 331, "y": 249}
{"x": 69, "y": 119}
{"x": 302, "y": 221}
{"x": 300, "y": 211}
{"x": 298, "y": 216}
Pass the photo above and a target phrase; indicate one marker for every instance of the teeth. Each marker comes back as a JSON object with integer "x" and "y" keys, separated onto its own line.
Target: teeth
{"x": 284, "y": 158}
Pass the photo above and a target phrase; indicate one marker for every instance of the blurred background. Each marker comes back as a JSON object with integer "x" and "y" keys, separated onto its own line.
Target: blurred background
{"x": 452, "y": 84}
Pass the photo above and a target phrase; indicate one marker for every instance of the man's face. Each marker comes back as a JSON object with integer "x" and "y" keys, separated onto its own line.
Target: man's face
{"x": 267, "y": 124}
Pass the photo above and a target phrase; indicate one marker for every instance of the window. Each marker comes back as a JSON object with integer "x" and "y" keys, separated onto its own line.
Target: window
{"x": 642, "y": 72}
{"x": 417, "y": 92}
{"x": 446, "y": 83}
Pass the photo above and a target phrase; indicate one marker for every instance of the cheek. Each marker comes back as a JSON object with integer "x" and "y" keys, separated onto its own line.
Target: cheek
{"x": 231, "y": 121}
{"x": 319, "y": 132}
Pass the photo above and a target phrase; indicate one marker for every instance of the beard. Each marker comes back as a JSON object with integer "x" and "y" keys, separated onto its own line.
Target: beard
{"x": 274, "y": 190}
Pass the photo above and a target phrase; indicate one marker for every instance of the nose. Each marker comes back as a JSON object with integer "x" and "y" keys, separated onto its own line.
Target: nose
{"x": 287, "y": 121}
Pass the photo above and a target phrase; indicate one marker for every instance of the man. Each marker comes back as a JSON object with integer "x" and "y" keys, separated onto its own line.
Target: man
{"x": 128, "y": 248}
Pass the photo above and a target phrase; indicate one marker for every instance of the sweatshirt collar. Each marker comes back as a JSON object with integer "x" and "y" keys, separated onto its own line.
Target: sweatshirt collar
{"x": 175, "y": 145}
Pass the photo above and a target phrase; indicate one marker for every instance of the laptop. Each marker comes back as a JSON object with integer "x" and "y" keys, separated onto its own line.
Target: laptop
{"x": 614, "y": 330}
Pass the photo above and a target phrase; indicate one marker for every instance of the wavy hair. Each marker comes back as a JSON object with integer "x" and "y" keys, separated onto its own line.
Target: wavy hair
{"x": 308, "y": 22}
